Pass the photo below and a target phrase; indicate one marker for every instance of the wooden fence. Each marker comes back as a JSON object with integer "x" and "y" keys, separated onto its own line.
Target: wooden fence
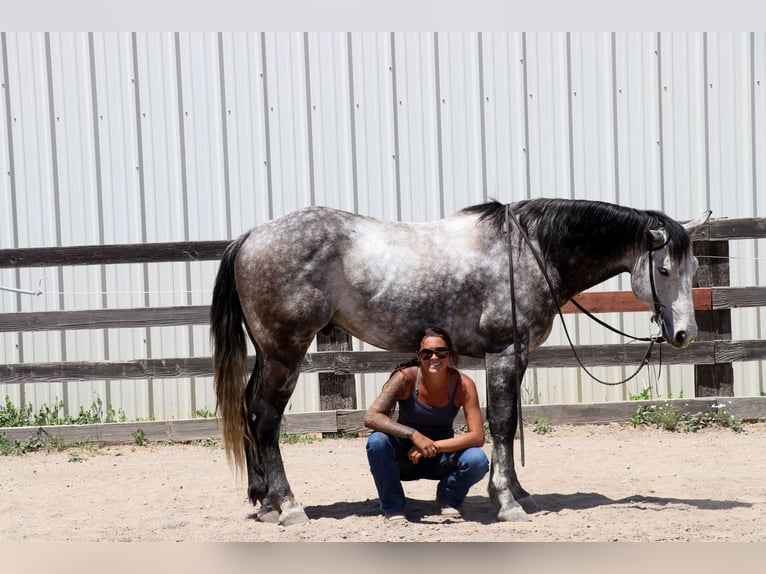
{"x": 712, "y": 354}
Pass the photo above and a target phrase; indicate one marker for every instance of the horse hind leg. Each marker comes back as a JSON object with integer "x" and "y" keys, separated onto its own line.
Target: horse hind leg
{"x": 257, "y": 487}
{"x": 269, "y": 391}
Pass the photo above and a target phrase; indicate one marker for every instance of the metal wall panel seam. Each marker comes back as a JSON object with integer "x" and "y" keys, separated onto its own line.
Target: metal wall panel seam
{"x": 13, "y": 216}
{"x": 753, "y": 131}
{"x": 706, "y": 92}
{"x": 267, "y": 126}
{"x": 482, "y": 119}
{"x": 183, "y": 142}
{"x": 99, "y": 199}
{"x": 617, "y": 176}
{"x": 439, "y": 143}
{"x": 16, "y": 340}
{"x": 142, "y": 203}
{"x": 754, "y": 161}
{"x": 224, "y": 136}
{"x": 660, "y": 127}
{"x": 309, "y": 119}
{"x": 526, "y": 114}
{"x": 615, "y": 125}
{"x": 394, "y": 94}
{"x": 55, "y": 165}
{"x": 56, "y": 201}
{"x": 570, "y": 123}
{"x": 572, "y": 185}
{"x": 352, "y": 119}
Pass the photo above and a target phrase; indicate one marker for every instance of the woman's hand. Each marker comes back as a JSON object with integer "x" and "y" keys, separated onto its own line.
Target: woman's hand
{"x": 422, "y": 447}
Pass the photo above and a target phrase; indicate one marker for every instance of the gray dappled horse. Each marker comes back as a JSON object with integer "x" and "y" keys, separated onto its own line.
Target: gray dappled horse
{"x": 385, "y": 282}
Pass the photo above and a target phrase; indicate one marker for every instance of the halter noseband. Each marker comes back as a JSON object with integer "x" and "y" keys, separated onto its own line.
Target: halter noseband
{"x": 658, "y": 307}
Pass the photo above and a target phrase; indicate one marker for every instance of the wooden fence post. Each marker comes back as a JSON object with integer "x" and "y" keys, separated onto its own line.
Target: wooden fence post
{"x": 713, "y": 380}
{"x": 336, "y": 391}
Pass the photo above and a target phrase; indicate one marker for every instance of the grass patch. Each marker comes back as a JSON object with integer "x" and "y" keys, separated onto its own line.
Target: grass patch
{"x": 139, "y": 437}
{"x": 296, "y": 438}
{"x": 541, "y": 426}
{"x": 31, "y": 444}
{"x": 671, "y": 418}
{"x": 52, "y": 415}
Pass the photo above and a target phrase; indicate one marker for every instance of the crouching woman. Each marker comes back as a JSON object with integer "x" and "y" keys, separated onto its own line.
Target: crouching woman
{"x": 421, "y": 443}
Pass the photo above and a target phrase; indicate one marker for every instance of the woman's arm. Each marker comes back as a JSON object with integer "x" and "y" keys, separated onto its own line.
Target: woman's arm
{"x": 474, "y": 436}
{"x": 377, "y": 415}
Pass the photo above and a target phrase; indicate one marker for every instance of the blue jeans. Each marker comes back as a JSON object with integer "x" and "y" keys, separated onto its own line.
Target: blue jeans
{"x": 456, "y": 471}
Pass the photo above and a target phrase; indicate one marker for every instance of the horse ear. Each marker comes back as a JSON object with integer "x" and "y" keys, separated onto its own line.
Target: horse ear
{"x": 694, "y": 224}
{"x": 655, "y": 237}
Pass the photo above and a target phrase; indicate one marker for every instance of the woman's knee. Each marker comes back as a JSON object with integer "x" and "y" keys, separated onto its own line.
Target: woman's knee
{"x": 378, "y": 442}
{"x": 475, "y": 459}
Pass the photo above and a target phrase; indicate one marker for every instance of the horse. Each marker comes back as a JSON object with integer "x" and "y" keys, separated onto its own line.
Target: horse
{"x": 319, "y": 268}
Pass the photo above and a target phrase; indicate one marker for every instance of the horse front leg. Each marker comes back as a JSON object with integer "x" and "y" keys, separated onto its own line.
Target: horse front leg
{"x": 267, "y": 480}
{"x": 502, "y": 413}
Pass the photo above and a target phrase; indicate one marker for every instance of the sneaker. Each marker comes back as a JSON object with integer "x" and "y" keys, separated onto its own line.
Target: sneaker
{"x": 450, "y": 512}
{"x": 396, "y": 516}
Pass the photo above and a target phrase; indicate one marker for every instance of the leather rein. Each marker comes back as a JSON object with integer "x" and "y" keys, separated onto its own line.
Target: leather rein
{"x": 657, "y": 317}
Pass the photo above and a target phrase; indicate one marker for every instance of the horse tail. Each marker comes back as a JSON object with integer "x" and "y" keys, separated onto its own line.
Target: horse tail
{"x": 230, "y": 358}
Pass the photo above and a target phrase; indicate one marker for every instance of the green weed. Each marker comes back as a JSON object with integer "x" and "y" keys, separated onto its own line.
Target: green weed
{"x": 648, "y": 395}
{"x": 139, "y": 437}
{"x": 295, "y": 438}
{"x": 75, "y": 456}
{"x": 52, "y": 415}
{"x": 670, "y": 417}
{"x": 541, "y": 426}
{"x": 31, "y": 444}
{"x": 645, "y": 395}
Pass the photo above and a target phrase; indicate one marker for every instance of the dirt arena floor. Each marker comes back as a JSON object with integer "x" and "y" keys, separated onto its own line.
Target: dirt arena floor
{"x": 591, "y": 483}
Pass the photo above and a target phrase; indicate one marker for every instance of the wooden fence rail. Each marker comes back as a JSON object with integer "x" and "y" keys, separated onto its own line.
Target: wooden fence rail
{"x": 706, "y": 298}
{"x": 711, "y": 298}
{"x": 342, "y": 363}
{"x": 351, "y": 421}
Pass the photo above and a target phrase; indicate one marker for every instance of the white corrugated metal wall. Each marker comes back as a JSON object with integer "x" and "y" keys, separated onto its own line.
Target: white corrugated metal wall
{"x": 121, "y": 138}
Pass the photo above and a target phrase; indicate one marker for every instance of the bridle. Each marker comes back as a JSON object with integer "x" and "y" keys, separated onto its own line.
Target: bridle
{"x": 658, "y": 307}
{"x": 657, "y": 317}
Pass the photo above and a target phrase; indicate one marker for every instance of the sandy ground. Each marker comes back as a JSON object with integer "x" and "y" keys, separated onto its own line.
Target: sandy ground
{"x": 591, "y": 483}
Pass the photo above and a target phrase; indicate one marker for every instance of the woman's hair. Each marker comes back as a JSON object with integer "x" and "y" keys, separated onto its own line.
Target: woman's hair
{"x": 439, "y": 332}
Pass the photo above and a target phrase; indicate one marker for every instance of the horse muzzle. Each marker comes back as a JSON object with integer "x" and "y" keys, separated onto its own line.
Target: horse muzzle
{"x": 677, "y": 338}
{"x": 681, "y": 338}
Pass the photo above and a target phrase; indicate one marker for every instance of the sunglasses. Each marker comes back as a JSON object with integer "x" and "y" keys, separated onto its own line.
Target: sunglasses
{"x": 440, "y": 352}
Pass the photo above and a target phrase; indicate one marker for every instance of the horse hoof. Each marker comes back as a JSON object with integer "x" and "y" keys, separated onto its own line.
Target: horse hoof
{"x": 267, "y": 515}
{"x": 293, "y": 516}
{"x": 514, "y": 513}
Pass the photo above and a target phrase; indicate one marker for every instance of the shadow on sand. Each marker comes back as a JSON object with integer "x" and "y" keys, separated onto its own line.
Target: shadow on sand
{"x": 479, "y": 509}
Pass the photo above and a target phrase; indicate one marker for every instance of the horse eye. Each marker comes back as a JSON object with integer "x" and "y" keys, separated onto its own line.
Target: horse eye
{"x": 662, "y": 270}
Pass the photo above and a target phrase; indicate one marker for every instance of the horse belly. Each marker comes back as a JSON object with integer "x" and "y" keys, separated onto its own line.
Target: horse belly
{"x": 395, "y": 315}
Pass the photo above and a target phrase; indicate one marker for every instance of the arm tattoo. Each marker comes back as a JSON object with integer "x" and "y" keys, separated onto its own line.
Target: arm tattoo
{"x": 384, "y": 405}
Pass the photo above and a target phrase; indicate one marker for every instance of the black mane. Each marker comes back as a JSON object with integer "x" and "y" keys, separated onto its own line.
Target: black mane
{"x": 593, "y": 225}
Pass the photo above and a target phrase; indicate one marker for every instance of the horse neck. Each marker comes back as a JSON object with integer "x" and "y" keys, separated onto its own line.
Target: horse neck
{"x": 579, "y": 270}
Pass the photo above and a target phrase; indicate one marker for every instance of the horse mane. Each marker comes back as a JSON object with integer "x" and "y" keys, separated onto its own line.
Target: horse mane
{"x": 594, "y": 225}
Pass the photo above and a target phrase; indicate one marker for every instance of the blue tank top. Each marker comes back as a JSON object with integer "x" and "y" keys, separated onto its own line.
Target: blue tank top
{"x": 434, "y": 422}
